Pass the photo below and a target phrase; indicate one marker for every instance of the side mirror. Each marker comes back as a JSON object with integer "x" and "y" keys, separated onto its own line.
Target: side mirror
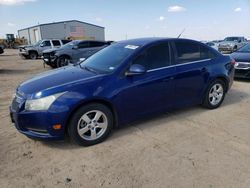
{"x": 136, "y": 69}
{"x": 75, "y": 47}
{"x": 42, "y": 45}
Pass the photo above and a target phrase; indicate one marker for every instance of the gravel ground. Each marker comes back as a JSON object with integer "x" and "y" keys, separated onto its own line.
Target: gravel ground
{"x": 192, "y": 147}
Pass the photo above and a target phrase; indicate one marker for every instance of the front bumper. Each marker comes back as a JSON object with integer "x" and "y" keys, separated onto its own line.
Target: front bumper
{"x": 23, "y": 53}
{"x": 37, "y": 124}
{"x": 225, "y": 48}
{"x": 49, "y": 60}
{"x": 242, "y": 70}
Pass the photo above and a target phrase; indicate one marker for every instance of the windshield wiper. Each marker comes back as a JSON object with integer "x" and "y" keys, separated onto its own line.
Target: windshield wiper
{"x": 90, "y": 69}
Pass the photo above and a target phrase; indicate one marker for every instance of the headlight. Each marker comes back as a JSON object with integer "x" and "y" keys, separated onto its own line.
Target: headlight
{"x": 42, "y": 103}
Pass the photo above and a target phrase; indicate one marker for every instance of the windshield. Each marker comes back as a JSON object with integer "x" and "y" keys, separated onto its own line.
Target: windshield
{"x": 232, "y": 39}
{"x": 109, "y": 59}
{"x": 70, "y": 44}
{"x": 245, "y": 48}
{"x": 37, "y": 44}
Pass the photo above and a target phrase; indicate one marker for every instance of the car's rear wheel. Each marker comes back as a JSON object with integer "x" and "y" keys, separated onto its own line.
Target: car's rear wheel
{"x": 90, "y": 124}
{"x": 215, "y": 94}
{"x": 62, "y": 61}
{"x": 33, "y": 55}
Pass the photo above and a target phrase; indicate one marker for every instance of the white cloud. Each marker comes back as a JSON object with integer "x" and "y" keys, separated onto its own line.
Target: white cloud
{"x": 238, "y": 9}
{"x": 176, "y": 8}
{"x": 11, "y": 24}
{"x": 161, "y": 18}
{"x": 15, "y": 2}
{"x": 98, "y": 19}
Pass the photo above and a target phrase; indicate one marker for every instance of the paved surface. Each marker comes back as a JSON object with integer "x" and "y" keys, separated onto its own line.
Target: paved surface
{"x": 192, "y": 147}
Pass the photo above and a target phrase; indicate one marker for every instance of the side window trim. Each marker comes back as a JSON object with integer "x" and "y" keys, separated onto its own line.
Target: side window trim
{"x": 178, "y": 65}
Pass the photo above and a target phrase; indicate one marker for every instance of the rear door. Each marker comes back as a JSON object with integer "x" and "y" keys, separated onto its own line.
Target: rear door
{"x": 192, "y": 60}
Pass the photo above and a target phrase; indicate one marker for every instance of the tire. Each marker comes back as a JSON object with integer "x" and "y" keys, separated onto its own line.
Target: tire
{"x": 90, "y": 124}
{"x": 62, "y": 61}
{"x": 215, "y": 94}
{"x": 33, "y": 55}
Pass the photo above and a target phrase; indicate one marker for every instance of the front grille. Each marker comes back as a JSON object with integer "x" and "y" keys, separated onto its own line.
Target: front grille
{"x": 15, "y": 104}
{"x": 240, "y": 65}
{"x": 17, "y": 101}
{"x": 46, "y": 55}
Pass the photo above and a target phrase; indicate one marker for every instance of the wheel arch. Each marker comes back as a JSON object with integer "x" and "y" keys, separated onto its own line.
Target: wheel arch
{"x": 64, "y": 55}
{"x": 33, "y": 51}
{"x": 98, "y": 101}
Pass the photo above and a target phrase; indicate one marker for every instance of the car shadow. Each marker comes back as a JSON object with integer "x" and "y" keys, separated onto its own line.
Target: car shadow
{"x": 242, "y": 80}
{"x": 12, "y": 71}
{"x": 233, "y": 97}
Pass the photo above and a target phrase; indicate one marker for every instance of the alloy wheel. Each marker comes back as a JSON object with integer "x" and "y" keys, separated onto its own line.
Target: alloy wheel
{"x": 216, "y": 94}
{"x": 92, "y": 125}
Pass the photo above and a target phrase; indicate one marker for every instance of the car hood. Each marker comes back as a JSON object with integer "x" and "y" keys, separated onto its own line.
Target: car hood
{"x": 241, "y": 56}
{"x": 54, "y": 79}
{"x": 26, "y": 46}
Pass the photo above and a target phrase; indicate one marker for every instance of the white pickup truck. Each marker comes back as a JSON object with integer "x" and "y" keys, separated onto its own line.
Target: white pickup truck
{"x": 36, "y": 50}
{"x": 231, "y": 44}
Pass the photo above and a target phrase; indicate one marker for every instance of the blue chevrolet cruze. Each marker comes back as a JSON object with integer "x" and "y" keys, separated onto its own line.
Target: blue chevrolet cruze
{"x": 124, "y": 82}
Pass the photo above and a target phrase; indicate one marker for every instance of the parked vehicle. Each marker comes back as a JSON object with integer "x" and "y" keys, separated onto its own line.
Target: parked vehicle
{"x": 36, "y": 50}
{"x": 213, "y": 45}
{"x": 231, "y": 44}
{"x": 126, "y": 81}
{"x": 72, "y": 52}
{"x": 1, "y": 49}
{"x": 242, "y": 58}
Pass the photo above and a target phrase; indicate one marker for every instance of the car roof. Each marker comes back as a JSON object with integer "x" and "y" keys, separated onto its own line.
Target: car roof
{"x": 148, "y": 41}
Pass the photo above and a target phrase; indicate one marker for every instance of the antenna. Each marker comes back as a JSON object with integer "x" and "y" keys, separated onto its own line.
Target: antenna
{"x": 181, "y": 33}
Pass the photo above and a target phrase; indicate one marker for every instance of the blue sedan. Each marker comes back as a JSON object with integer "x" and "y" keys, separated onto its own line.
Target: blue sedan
{"x": 124, "y": 82}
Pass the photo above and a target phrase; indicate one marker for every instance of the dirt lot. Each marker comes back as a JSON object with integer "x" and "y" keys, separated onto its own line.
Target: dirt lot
{"x": 193, "y": 147}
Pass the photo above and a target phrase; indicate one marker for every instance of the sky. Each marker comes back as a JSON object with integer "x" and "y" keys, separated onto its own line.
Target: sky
{"x": 125, "y": 19}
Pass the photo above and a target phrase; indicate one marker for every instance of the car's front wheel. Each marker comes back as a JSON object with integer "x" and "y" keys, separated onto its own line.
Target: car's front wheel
{"x": 33, "y": 55}
{"x": 62, "y": 61}
{"x": 90, "y": 124}
{"x": 215, "y": 94}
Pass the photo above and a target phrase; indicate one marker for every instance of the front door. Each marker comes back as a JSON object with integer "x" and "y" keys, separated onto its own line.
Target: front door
{"x": 151, "y": 91}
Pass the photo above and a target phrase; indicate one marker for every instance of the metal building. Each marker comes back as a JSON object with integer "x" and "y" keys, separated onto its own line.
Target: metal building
{"x": 72, "y": 29}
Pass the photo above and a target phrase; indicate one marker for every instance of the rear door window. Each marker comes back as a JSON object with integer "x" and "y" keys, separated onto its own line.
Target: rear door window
{"x": 187, "y": 51}
{"x": 56, "y": 43}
